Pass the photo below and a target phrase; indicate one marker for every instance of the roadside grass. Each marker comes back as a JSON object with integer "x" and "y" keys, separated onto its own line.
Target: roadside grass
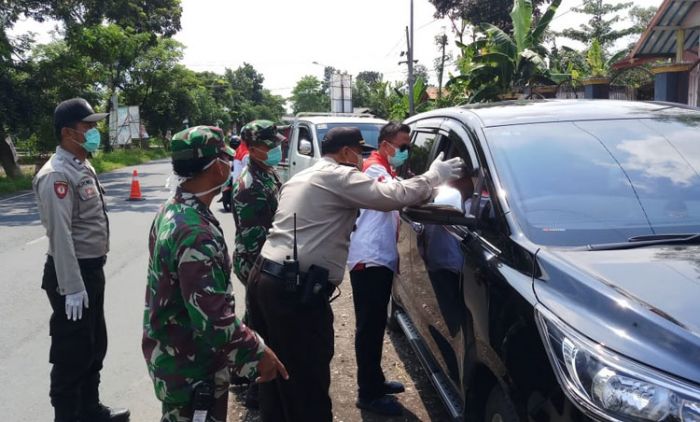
{"x": 8, "y": 185}
{"x": 109, "y": 161}
{"x": 103, "y": 162}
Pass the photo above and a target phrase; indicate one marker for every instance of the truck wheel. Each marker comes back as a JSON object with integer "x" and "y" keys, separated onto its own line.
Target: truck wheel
{"x": 499, "y": 408}
{"x": 392, "y": 324}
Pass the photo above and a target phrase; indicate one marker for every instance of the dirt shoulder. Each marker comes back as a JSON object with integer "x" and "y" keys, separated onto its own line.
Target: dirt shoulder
{"x": 420, "y": 401}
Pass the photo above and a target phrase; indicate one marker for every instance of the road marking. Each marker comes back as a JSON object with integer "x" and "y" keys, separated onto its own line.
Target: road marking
{"x": 37, "y": 240}
{"x": 15, "y": 197}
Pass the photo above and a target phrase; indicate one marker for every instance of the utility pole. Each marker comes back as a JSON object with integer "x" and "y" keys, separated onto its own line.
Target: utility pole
{"x": 409, "y": 39}
{"x": 443, "y": 42}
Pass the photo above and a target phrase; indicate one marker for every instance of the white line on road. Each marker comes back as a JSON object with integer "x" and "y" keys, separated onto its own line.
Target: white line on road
{"x": 15, "y": 197}
{"x": 37, "y": 240}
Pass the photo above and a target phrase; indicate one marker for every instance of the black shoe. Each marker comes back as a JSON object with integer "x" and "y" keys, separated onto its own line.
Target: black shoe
{"x": 251, "y": 397}
{"x": 106, "y": 414}
{"x": 385, "y": 405}
{"x": 393, "y": 387}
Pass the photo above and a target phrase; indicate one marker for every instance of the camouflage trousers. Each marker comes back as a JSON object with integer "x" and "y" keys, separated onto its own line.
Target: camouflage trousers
{"x": 217, "y": 413}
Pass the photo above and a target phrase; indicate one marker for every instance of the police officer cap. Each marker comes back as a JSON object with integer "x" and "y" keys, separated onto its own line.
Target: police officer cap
{"x": 75, "y": 110}
{"x": 339, "y": 137}
{"x": 261, "y": 132}
{"x": 199, "y": 142}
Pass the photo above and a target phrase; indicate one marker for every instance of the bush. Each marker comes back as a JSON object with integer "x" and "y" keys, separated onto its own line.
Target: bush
{"x": 8, "y": 185}
{"x": 108, "y": 161}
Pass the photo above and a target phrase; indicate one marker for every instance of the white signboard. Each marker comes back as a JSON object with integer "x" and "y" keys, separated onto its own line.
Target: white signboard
{"x": 341, "y": 93}
{"x": 124, "y": 125}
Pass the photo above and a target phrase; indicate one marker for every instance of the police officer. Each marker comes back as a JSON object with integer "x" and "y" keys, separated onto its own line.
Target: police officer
{"x": 254, "y": 205}
{"x": 324, "y": 200}
{"x": 191, "y": 335}
{"x": 72, "y": 208}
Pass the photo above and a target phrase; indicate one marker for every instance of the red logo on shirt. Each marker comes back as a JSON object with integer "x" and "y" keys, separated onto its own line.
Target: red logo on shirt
{"x": 61, "y": 189}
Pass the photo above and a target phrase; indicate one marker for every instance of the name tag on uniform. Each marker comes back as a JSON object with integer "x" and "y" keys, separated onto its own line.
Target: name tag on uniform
{"x": 87, "y": 189}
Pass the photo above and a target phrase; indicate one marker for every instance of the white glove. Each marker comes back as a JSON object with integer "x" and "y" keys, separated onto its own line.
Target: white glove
{"x": 446, "y": 171}
{"x": 74, "y": 305}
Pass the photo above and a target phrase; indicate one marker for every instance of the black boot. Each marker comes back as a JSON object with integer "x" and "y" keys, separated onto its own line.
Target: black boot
{"x": 102, "y": 413}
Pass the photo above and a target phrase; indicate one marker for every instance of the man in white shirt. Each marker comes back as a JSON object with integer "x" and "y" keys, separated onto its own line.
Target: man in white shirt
{"x": 372, "y": 261}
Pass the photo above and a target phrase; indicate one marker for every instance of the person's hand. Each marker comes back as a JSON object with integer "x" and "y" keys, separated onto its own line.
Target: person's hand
{"x": 269, "y": 366}
{"x": 74, "y": 305}
{"x": 449, "y": 170}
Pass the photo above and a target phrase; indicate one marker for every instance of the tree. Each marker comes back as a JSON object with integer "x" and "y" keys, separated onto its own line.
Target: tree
{"x": 370, "y": 91}
{"x": 477, "y": 12}
{"x": 420, "y": 72}
{"x": 641, "y": 17}
{"x": 599, "y": 26}
{"x": 308, "y": 95}
{"x": 498, "y": 63}
{"x": 369, "y": 77}
{"x": 328, "y": 72}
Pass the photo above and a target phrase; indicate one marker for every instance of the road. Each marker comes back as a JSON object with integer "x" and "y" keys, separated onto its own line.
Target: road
{"x": 24, "y": 342}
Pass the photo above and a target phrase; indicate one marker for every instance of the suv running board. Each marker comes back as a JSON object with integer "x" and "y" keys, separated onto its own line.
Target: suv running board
{"x": 437, "y": 377}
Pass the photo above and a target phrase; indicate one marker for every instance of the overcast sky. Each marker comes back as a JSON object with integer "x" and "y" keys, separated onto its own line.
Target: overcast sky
{"x": 282, "y": 39}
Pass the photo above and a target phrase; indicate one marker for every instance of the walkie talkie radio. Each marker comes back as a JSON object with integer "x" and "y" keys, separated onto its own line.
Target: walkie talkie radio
{"x": 290, "y": 266}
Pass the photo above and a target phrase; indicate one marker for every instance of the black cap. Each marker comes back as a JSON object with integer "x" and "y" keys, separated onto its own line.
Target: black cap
{"x": 339, "y": 137}
{"x": 75, "y": 110}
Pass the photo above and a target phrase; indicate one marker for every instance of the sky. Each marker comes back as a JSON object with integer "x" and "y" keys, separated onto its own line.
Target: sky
{"x": 283, "y": 39}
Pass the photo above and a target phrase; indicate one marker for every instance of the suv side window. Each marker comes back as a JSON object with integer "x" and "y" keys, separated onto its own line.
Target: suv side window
{"x": 304, "y": 134}
{"x": 418, "y": 159}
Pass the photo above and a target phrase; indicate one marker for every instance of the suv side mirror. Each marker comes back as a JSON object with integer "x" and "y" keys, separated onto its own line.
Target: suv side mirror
{"x": 305, "y": 147}
{"x": 439, "y": 214}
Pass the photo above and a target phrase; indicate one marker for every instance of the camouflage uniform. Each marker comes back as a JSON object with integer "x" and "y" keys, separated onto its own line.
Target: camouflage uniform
{"x": 254, "y": 200}
{"x": 191, "y": 333}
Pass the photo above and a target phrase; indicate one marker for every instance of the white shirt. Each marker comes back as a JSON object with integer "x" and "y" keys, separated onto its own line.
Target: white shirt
{"x": 373, "y": 242}
{"x": 238, "y": 166}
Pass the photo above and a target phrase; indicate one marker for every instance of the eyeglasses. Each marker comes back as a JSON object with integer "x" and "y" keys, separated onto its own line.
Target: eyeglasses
{"x": 402, "y": 148}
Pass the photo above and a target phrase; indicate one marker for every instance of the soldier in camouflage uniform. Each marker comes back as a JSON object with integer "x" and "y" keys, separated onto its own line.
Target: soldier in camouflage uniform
{"x": 255, "y": 194}
{"x": 191, "y": 334}
{"x": 254, "y": 202}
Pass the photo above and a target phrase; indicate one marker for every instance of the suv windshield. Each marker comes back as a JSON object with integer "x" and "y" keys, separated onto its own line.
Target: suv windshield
{"x": 370, "y": 131}
{"x": 580, "y": 183}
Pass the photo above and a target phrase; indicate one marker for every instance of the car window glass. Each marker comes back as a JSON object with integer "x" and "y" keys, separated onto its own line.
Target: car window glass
{"x": 304, "y": 134}
{"x": 599, "y": 181}
{"x": 370, "y": 131}
{"x": 418, "y": 159}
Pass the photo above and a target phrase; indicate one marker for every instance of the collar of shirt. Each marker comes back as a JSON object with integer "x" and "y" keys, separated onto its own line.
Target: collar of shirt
{"x": 260, "y": 172}
{"x": 191, "y": 200}
{"x": 376, "y": 158}
{"x": 69, "y": 157}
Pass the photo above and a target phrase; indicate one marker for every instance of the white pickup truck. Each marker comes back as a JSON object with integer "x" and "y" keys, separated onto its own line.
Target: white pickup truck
{"x": 308, "y": 129}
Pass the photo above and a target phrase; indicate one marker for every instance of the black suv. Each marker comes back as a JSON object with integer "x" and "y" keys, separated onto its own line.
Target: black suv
{"x": 560, "y": 278}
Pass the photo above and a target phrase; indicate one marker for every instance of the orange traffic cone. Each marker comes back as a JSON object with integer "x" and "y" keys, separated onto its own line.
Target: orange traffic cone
{"x": 135, "y": 188}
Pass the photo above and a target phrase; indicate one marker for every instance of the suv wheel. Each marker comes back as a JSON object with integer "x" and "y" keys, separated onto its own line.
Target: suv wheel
{"x": 499, "y": 408}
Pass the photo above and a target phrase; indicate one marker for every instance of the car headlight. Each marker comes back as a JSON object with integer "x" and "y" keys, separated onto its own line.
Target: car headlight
{"x": 610, "y": 386}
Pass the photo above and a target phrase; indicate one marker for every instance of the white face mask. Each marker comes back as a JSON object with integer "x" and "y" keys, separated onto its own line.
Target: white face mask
{"x": 215, "y": 188}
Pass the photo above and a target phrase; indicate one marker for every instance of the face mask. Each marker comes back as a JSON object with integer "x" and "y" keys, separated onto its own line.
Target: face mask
{"x": 274, "y": 156}
{"x": 92, "y": 140}
{"x": 215, "y": 188}
{"x": 360, "y": 160}
{"x": 398, "y": 158}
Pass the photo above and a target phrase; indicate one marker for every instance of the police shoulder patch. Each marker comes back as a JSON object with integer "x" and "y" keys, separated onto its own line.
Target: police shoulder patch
{"x": 61, "y": 189}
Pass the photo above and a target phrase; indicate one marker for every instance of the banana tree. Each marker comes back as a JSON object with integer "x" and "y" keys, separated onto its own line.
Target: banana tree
{"x": 500, "y": 62}
{"x": 598, "y": 65}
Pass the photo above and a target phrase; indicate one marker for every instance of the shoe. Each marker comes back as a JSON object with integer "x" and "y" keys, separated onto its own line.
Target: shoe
{"x": 236, "y": 380}
{"x": 393, "y": 387}
{"x": 385, "y": 405}
{"x": 251, "y": 397}
{"x": 106, "y": 414}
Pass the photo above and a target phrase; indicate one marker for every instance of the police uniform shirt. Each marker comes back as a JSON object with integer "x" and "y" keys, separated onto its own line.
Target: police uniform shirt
{"x": 73, "y": 212}
{"x": 326, "y": 198}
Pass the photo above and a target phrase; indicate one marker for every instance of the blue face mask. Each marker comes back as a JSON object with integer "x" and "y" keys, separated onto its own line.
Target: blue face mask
{"x": 274, "y": 156}
{"x": 92, "y": 140}
{"x": 398, "y": 158}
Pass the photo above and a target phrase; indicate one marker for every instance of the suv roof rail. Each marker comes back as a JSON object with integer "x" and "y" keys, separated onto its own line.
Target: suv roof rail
{"x": 321, "y": 114}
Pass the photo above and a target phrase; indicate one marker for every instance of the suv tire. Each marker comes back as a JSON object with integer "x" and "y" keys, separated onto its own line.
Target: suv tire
{"x": 499, "y": 408}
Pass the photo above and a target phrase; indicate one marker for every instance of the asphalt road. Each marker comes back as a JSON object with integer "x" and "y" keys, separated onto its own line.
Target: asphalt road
{"x": 24, "y": 333}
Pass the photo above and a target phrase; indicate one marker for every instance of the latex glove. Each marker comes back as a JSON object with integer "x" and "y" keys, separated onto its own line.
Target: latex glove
{"x": 74, "y": 305}
{"x": 269, "y": 366}
{"x": 446, "y": 171}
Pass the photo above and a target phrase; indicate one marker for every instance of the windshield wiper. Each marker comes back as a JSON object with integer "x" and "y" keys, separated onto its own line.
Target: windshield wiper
{"x": 648, "y": 240}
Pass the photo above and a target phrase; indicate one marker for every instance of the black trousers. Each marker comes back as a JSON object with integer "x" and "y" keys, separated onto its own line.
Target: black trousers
{"x": 302, "y": 338}
{"x": 371, "y": 290}
{"x": 77, "y": 347}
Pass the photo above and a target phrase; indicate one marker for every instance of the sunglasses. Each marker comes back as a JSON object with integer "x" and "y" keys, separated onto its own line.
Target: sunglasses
{"x": 402, "y": 148}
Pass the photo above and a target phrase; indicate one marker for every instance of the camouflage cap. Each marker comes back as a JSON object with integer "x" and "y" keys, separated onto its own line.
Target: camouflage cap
{"x": 261, "y": 132}
{"x": 199, "y": 142}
